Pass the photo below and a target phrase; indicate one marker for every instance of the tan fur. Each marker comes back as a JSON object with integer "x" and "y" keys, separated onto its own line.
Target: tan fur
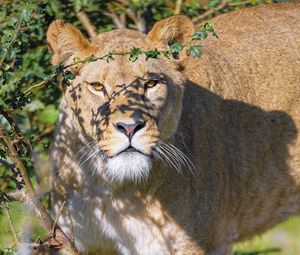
{"x": 239, "y": 125}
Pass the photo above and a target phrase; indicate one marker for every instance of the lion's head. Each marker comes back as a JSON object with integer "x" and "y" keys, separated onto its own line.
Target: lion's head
{"x": 128, "y": 108}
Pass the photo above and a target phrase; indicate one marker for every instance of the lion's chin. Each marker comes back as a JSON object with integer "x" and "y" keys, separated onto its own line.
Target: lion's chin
{"x": 128, "y": 166}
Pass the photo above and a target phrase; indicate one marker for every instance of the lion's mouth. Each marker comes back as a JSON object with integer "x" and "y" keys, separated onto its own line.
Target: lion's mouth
{"x": 130, "y": 150}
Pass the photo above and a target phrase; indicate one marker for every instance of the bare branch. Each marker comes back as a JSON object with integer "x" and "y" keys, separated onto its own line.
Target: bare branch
{"x": 42, "y": 83}
{"x": 57, "y": 218}
{"x": 221, "y": 6}
{"x": 46, "y": 132}
{"x": 140, "y": 22}
{"x": 240, "y": 3}
{"x": 115, "y": 19}
{"x": 178, "y": 7}
{"x": 202, "y": 17}
{"x": 72, "y": 227}
{"x": 88, "y": 26}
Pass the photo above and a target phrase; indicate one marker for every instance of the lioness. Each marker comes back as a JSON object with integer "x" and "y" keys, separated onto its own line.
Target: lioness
{"x": 182, "y": 156}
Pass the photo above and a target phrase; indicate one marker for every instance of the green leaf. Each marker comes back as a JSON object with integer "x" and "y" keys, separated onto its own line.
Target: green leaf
{"x": 9, "y": 32}
{"x": 24, "y": 37}
{"x": 5, "y": 39}
{"x": 176, "y": 47}
{"x": 6, "y": 67}
{"x": 200, "y": 35}
{"x": 134, "y": 54}
{"x": 152, "y": 53}
{"x": 90, "y": 59}
{"x": 195, "y": 51}
{"x": 68, "y": 75}
{"x": 208, "y": 27}
{"x": 59, "y": 69}
{"x": 166, "y": 54}
{"x": 109, "y": 57}
{"x": 215, "y": 34}
{"x": 48, "y": 115}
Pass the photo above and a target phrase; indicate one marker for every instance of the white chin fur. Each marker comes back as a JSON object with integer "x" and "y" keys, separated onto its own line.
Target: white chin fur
{"x": 130, "y": 166}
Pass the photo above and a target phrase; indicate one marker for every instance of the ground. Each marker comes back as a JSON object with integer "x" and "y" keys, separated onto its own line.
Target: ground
{"x": 281, "y": 240}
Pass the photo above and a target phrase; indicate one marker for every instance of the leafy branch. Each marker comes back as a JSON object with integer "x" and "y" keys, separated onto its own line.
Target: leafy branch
{"x": 133, "y": 55}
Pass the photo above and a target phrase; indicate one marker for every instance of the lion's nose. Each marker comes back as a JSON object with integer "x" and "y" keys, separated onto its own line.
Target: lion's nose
{"x": 130, "y": 129}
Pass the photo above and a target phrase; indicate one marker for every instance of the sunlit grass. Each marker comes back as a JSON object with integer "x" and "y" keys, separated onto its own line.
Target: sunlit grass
{"x": 281, "y": 240}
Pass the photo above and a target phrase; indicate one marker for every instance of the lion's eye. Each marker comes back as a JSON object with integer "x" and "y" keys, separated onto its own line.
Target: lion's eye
{"x": 97, "y": 86}
{"x": 150, "y": 84}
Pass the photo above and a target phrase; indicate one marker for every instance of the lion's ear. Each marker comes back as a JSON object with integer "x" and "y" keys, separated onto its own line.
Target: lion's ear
{"x": 67, "y": 42}
{"x": 177, "y": 28}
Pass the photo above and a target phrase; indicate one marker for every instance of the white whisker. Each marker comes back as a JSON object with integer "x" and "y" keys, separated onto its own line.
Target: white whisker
{"x": 174, "y": 156}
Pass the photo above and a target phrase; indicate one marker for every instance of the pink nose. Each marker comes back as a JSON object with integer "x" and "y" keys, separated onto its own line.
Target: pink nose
{"x": 130, "y": 129}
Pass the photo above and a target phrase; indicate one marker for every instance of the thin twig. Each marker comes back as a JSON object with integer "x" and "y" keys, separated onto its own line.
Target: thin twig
{"x": 45, "y": 132}
{"x": 11, "y": 225}
{"x": 221, "y": 6}
{"x": 88, "y": 26}
{"x": 115, "y": 19}
{"x": 72, "y": 227}
{"x": 54, "y": 226}
{"x": 140, "y": 22}
{"x": 42, "y": 83}
{"x": 240, "y": 3}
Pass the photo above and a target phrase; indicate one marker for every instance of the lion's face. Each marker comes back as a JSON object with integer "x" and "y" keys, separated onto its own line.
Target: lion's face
{"x": 128, "y": 108}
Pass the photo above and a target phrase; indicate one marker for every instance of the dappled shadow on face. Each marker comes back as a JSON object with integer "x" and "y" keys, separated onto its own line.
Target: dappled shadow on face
{"x": 77, "y": 159}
